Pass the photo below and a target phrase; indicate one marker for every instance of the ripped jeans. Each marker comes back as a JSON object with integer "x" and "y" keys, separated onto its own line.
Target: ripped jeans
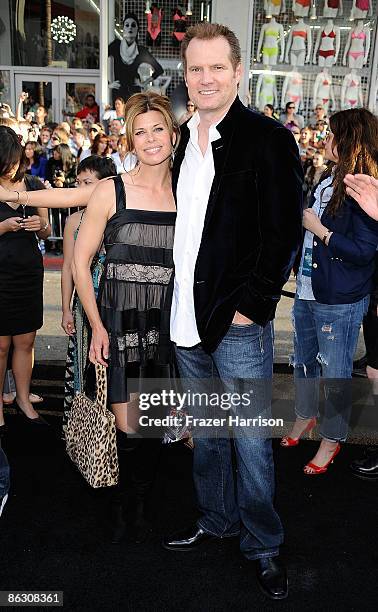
{"x": 325, "y": 340}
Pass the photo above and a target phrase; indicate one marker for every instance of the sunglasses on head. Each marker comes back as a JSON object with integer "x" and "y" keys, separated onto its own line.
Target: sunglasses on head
{"x": 93, "y": 130}
{"x": 55, "y": 138}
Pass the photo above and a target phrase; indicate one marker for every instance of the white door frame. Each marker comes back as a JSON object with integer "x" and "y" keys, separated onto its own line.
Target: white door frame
{"x": 58, "y": 81}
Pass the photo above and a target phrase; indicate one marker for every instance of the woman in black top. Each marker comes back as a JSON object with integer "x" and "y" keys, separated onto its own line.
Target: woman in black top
{"x": 127, "y": 56}
{"x": 21, "y": 272}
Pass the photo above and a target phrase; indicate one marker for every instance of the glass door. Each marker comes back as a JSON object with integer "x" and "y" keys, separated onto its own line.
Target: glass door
{"x": 73, "y": 92}
{"x": 41, "y": 91}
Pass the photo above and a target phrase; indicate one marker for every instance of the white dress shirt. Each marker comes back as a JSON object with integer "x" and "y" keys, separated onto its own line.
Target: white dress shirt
{"x": 126, "y": 165}
{"x": 193, "y": 189}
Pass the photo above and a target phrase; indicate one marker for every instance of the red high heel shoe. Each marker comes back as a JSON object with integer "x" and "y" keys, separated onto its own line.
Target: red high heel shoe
{"x": 321, "y": 469}
{"x": 287, "y": 441}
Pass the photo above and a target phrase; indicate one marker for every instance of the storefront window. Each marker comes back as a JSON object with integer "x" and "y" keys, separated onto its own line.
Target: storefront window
{"x": 5, "y": 94}
{"x": 63, "y": 34}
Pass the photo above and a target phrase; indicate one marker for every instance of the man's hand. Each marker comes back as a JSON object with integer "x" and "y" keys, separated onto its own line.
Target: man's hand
{"x": 240, "y": 319}
{"x": 364, "y": 189}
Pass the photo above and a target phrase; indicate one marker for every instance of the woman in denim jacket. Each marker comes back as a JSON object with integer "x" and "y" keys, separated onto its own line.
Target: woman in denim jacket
{"x": 334, "y": 283}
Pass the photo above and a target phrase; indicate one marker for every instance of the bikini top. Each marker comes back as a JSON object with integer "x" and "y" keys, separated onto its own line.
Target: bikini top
{"x": 353, "y": 83}
{"x": 300, "y": 33}
{"x": 269, "y": 80}
{"x": 274, "y": 33}
{"x": 360, "y": 35}
{"x": 363, "y": 5}
{"x": 325, "y": 82}
{"x": 332, "y": 34}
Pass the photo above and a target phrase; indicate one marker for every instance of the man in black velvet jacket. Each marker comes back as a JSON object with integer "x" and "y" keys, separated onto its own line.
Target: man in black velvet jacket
{"x": 238, "y": 184}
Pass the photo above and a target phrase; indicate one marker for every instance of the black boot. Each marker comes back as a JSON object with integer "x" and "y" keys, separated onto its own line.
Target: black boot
{"x": 126, "y": 445}
{"x": 143, "y": 472}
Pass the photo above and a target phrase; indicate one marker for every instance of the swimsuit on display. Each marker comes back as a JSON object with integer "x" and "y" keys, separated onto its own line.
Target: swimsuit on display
{"x": 304, "y": 3}
{"x": 300, "y": 33}
{"x": 153, "y": 36}
{"x": 327, "y": 52}
{"x": 333, "y": 4}
{"x": 360, "y": 36}
{"x": 271, "y": 50}
{"x": 362, "y": 5}
{"x": 267, "y": 81}
{"x": 276, "y": 2}
{"x": 179, "y": 27}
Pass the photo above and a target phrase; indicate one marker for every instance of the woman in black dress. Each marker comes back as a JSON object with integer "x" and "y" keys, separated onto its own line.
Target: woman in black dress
{"x": 136, "y": 214}
{"x": 21, "y": 272}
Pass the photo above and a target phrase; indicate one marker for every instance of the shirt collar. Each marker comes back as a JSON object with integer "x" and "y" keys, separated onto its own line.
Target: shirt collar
{"x": 193, "y": 124}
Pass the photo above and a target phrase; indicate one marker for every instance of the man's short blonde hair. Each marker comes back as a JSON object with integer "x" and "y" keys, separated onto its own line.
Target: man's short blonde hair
{"x": 209, "y": 31}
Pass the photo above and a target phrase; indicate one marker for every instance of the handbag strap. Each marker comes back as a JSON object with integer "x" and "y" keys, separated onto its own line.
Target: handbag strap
{"x": 101, "y": 385}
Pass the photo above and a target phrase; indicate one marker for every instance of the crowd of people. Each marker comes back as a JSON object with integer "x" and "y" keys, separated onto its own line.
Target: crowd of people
{"x": 177, "y": 258}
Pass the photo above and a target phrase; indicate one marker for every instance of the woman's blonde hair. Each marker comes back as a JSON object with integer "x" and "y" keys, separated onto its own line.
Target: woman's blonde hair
{"x": 140, "y": 103}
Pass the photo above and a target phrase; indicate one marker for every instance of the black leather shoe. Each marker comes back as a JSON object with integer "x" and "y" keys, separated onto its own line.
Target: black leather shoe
{"x": 188, "y": 539}
{"x": 367, "y": 467}
{"x": 272, "y": 578}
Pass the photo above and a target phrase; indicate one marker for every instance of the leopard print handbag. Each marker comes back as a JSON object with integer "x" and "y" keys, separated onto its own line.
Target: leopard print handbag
{"x": 91, "y": 436}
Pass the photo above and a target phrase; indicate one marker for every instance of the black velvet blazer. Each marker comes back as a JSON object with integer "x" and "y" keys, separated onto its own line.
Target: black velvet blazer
{"x": 253, "y": 222}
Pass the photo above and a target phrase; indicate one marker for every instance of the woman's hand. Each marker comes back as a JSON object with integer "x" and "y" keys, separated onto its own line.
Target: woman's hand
{"x": 311, "y": 222}
{"x": 68, "y": 323}
{"x": 13, "y": 224}
{"x": 115, "y": 85}
{"x": 32, "y": 224}
{"x": 363, "y": 189}
{"x": 99, "y": 349}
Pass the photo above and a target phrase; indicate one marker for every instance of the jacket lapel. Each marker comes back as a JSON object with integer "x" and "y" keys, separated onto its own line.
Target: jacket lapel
{"x": 178, "y": 158}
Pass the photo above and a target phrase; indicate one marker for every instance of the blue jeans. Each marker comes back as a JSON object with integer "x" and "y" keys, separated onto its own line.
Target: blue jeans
{"x": 4, "y": 474}
{"x": 325, "y": 340}
{"x": 245, "y": 506}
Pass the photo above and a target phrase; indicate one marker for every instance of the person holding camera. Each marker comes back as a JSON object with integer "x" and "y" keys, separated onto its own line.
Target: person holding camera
{"x": 21, "y": 273}
{"x": 60, "y": 172}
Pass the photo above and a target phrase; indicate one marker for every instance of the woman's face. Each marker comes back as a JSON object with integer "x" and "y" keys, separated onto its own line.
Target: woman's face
{"x": 29, "y": 151}
{"x": 318, "y": 160}
{"x": 331, "y": 148}
{"x": 119, "y": 108}
{"x": 122, "y": 149}
{"x": 305, "y": 136}
{"x": 86, "y": 177}
{"x": 290, "y": 109}
{"x": 130, "y": 30}
{"x": 113, "y": 142}
{"x": 56, "y": 155}
{"x": 102, "y": 146}
{"x": 268, "y": 111}
{"x": 152, "y": 140}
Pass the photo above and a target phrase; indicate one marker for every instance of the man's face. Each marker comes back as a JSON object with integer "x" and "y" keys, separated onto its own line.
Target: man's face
{"x": 78, "y": 139}
{"x": 116, "y": 127}
{"x": 210, "y": 77}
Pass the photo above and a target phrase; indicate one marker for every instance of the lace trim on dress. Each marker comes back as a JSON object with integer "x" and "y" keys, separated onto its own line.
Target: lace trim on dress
{"x": 142, "y": 234}
{"x": 138, "y": 273}
{"x": 131, "y": 340}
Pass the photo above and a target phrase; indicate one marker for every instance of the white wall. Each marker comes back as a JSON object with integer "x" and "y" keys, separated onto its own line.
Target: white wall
{"x": 237, "y": 15}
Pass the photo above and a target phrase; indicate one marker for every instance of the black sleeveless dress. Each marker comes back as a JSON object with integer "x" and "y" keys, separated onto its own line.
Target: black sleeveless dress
{"x": 21, "y": 273}
{"x": 135, "y": 295}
